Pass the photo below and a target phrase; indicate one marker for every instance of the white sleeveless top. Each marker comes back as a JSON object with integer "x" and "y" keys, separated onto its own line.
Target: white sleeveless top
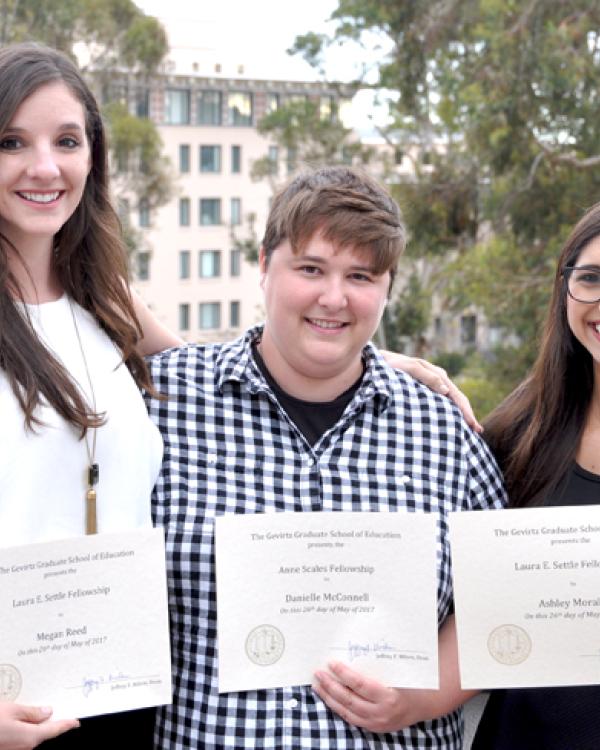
{"x": 43, "y": 474}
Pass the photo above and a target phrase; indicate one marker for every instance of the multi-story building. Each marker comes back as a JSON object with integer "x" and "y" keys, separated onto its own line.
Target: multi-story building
{"x": 192, "y": 272}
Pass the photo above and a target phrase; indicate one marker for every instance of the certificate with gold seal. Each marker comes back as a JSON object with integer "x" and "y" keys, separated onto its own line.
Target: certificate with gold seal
{"x": 85, "y": 624}
{"x": 527, "y": 596}
{"x": 297, "y": 590}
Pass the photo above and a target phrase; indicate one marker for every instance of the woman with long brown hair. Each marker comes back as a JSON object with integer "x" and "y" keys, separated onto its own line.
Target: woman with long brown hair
{"x": 78, "y": 452}
{"x": 546, "y": 438}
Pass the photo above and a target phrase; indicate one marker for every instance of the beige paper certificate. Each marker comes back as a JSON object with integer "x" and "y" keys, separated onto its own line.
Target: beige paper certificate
{"x": 297, "y": 590}
{"x": 527, "y": 596}
{"x": 85, "y": 624}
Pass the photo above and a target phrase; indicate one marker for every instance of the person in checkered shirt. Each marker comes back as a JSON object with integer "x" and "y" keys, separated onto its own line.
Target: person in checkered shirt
{"x": 303, "y": 414}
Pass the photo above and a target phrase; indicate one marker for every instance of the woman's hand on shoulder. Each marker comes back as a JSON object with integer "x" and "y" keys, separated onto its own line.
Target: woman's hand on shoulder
{"x": 25, "y": 727}
{"x": 437, "y": 379}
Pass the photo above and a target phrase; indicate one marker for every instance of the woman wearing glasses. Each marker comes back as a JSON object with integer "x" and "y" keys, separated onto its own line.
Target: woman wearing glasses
{"x": 546, "y": 438}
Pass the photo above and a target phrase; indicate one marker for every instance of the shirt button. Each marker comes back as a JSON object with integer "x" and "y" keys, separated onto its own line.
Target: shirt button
{"x": 310, "y": 463}
{"x": 405, "y": 479}
{"x": 292, "y": 703}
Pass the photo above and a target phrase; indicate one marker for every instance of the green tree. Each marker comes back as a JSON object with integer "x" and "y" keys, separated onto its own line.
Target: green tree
{"x": 407, "y": 315}
{"x": 115, "y": 42}
{"x": 116, "y": 33}
{"x": 307, "y": 138}
{"x": 501, "y": 97}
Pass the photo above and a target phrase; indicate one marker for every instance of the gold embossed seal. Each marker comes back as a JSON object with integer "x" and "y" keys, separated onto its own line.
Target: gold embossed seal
{"x": 265, "y": 645}
{"x": 509, "y": 644}
{"x": 10, "y": 683}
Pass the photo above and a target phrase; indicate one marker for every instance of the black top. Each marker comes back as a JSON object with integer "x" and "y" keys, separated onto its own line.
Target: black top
{"x": 312, "y": 418}
{"x": 563, "y": 718}
{"x": 123, "y": 731}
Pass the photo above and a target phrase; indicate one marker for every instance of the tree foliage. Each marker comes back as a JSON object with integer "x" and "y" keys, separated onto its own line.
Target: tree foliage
{"x": 117, "y": 33}
{"x": 307, "y": 138}
{"x": 502, "y": 97}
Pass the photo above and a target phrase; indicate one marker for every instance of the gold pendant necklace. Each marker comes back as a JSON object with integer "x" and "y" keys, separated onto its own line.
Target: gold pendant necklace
{"x": 93, "y": 469}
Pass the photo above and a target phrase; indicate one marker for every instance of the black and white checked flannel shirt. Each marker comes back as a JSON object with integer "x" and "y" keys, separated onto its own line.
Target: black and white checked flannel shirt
{"x": 229, "y": 448}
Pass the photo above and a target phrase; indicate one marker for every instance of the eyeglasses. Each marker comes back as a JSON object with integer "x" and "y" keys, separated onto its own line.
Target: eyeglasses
{"x": 583, "y": 283}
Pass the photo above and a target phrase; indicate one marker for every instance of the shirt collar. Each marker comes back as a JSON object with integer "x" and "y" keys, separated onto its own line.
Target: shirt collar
{"x": 236, "y": 364}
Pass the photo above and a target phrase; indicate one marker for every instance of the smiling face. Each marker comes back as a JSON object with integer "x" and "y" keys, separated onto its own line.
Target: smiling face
{"x": 584, "y": 319}
{"x": 323, "y": 304}
{"x": 44, "y": 163}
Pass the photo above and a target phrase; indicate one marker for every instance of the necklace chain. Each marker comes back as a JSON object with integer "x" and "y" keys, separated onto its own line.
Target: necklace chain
{"x": 93, "y": 473}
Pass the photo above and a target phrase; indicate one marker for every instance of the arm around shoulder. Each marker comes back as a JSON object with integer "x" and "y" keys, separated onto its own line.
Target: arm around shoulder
{"x": 437, "y": 379}
{"x": 156, "y": 336}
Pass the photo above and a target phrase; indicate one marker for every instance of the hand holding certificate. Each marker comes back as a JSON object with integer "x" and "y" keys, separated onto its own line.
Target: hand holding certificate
{"x": 296, "y": 590}
{"x": 85, "y": 625}
{"x": 527, "y": 597}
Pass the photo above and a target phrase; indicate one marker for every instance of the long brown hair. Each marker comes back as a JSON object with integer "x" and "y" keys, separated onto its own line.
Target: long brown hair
{"x": 535, "y": 432}
{"x": 89, "y": 254}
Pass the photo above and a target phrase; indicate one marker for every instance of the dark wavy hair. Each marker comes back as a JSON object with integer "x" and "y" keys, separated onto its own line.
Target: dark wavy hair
{"x": 89, "y": 256}
{"x": 536, "y": 430}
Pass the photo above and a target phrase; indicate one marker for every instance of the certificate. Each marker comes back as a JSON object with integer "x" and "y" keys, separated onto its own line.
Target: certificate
{"x": 85, "y": 624}
{"x": 297, "y": 590}
{"x": 527, "y": 596}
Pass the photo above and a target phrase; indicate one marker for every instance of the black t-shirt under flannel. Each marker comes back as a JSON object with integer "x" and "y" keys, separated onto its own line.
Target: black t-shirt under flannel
{"x": 230, "y": 448}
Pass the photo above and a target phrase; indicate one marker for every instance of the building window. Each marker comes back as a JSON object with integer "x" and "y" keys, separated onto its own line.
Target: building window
{"x": 142, "y": 103}
{"x": 297, "y": 99}
{"x": 184, "y": 157}
{"x": 184, "y": 212}
{"x": 326, "y": 108}
{"x": 123, "y": 210}
{"x": 235, "y": 211}
{"x": 184, "y": 317}
{"x": 210, "y": 211}
{"x": 272, "y": 103}
{"x": 234, "y": 314}
{"x": 344, "y": 111}
{"x": 122, "y": 159}
{"x": 235, "y": 262}
{"x": 236, "y": 159}
{"x": 115, "y": 91}
{"x": 347, "y": 155}
{"x": 273, "y": 160}
{"x": 209, "y": 315}
{"x": 144, "y": 213}
{"x": 177, "y": 107}
{"x": 210, "y": 158}
{"x": 291, "y": 160}
{"x": 143, "y": 266}
{"x": 239, "y": 106}
{"x": 209, "y": 264}
{"x": 209, "y": 108}
{"x": 184, "y": 264}
{"x": 468, "y": 330}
